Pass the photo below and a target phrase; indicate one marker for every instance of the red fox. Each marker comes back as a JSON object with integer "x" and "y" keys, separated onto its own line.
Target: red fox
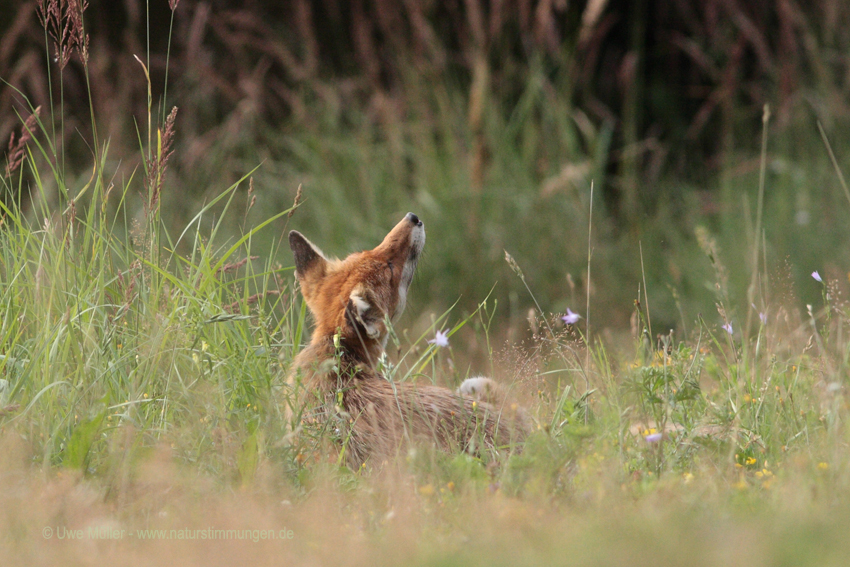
{"x": 353, "y": 301}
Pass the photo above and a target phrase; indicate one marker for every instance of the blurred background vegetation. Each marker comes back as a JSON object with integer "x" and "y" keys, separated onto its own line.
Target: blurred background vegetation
{"x": 490, "y": 119}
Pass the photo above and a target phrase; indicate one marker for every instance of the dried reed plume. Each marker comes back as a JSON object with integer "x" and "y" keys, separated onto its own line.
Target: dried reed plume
{"x": 63, "y": 20}
{"x": 17, "y": 148}
{"x": 233, "y": 266}
{"x": 252, "y": 199}
{"x": 158, "y": 162}
{"x": 296, "y": 203}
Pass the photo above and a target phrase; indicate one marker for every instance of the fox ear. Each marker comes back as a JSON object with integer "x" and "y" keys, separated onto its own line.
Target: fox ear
{"x": 362, "y": 312}
{"x": 308, "y": 258}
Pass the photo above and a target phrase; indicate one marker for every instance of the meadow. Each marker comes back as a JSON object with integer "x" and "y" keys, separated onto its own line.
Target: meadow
{"x": 696, "y": 413}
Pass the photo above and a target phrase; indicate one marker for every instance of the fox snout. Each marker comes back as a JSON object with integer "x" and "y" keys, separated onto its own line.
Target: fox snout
{"x": 358, "y": 295}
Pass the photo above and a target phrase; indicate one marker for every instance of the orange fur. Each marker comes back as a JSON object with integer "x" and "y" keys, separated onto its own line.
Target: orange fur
{"x": 352, "y": 302}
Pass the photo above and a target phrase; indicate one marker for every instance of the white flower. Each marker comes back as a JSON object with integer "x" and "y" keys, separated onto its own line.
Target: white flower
{"x": 440, "y": 339}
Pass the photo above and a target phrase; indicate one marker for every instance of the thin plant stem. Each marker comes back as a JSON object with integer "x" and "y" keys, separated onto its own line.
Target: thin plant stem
{"x": 589, "y": 255}
{"x": 62, "y": 121}
{"x": 834, "y": 161}
{"x": 751, "y": 291}
{"x": 167, "y": 61}
{"x": 50, "y": 92}
{"x": 646, "y": 298}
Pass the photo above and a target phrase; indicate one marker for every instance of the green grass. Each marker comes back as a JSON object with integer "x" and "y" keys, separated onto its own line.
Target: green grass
{"x": 142, "y": 362}
{"x": 134, "y": 373}
{"x": 358, "y": 178}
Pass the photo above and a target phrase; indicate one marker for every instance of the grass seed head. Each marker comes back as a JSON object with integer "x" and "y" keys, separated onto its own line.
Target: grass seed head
{"x": 17, "y": 148}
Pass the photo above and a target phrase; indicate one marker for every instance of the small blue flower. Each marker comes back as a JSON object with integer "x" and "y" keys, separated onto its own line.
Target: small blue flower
{"x": 817, "y": 277}
{"x": 652, "y": 437}
{"x": 728, "y": 328}
{"x": 570, "y": 318}
{"x": 440, "y": 339}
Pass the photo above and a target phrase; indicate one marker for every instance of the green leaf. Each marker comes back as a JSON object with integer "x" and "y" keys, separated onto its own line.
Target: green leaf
{"x": 77, "y": 451}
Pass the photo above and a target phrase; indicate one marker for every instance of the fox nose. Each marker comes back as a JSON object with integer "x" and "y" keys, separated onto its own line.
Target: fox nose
{"x": 413, "y": 218}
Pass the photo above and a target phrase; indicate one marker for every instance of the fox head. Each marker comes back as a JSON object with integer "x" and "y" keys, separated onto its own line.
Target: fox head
{"x": 357, "y": 295}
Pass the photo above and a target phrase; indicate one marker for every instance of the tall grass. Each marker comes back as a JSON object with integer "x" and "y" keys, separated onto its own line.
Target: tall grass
{"x": 113, "y": 324}
{"x": 141, "y": 367}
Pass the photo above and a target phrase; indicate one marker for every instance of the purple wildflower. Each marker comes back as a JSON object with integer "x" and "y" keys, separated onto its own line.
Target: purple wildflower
{"x": 570, "y": 318}
{"x": 817, "y": 277}
{"x": 728, "y": 328}
{"x": 652, "y": 437}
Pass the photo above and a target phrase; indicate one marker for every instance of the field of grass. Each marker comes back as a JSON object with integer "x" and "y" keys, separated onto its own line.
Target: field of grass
{"x": 696, "y": 415}
{"x": 143, "y": 389}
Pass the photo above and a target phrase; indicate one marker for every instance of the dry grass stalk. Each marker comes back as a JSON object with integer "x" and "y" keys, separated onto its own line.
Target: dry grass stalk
{"x": 17, "y": 148}
{"x": 63, "y": 20}
{"x": 233, "y": 266}
{"x": 252, "y": 198}
{"x": 158, "y": 163}
{"x": 296, "y": 203}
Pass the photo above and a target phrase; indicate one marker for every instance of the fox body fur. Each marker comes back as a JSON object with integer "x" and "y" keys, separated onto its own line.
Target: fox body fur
{"x": 352, "y": 302}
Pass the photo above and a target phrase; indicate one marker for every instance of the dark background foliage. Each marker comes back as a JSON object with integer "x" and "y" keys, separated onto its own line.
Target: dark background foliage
{"x": 674, "y": 78}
